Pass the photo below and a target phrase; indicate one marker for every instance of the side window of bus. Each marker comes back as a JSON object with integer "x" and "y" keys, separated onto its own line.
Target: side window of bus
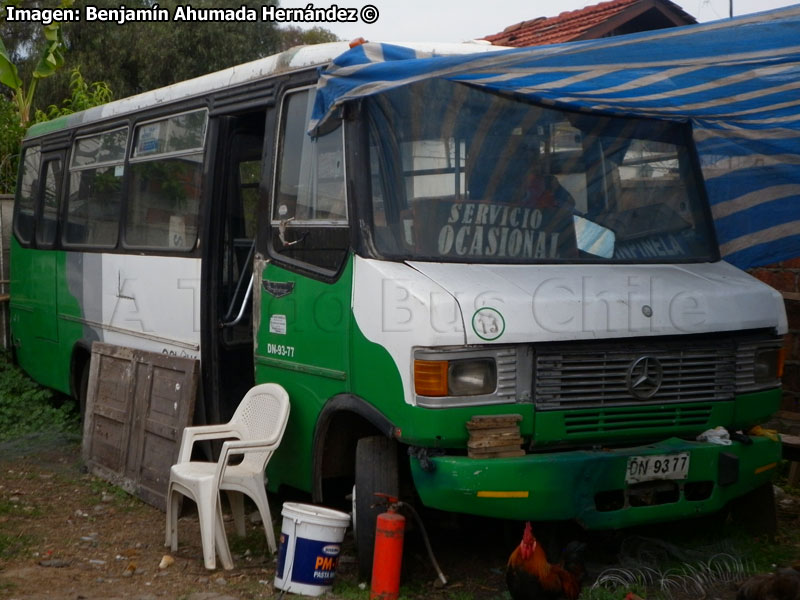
{"x": 48, "y": 215}
{"x": 309, "y": 212}
{"x": 95, "y": 189}
{"x": 26, "y": 195}
{"x": 165, "y": 182}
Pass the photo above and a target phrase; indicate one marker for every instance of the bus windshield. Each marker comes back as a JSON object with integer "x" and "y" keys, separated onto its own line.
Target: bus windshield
{"x": 461, "y": 174}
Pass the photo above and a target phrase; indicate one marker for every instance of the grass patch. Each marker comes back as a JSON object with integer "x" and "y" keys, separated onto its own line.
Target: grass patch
{"x": 100, "y": 487}
{"x": 188, "y": 594}
{"x": 17, "y": 509}
{"x": 349, "y": 590}
{"x": 7, "y": 508}
{"x": 7, "y": 586}
{"x": 602, "y": 593}
{"x": 764, "y": 553}
{"x": 254, "y": 543}
{"x": 26, "y": 407}
{"x": 106, "y": 493}
{"x": 13, "y": 545}
{"x": 718, "y": 555}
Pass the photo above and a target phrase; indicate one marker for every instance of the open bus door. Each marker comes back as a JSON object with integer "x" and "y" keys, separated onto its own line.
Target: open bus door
{"x": 227, "y": 264}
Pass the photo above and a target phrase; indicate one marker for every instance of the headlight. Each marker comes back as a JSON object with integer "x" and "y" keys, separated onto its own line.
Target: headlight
{"x": 768, "y": 365}
{"x": 467, "y": 377}
{"x": 472, "y": 377}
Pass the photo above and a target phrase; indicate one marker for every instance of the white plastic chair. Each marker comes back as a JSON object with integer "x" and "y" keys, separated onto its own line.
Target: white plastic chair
{"x": 257, "y": 427}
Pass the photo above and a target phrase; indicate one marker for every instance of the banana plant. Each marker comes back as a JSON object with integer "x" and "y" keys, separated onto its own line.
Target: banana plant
{"x": 50, "y": 60}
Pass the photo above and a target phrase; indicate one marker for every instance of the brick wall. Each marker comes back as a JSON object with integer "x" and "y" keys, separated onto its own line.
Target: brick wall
{"x": 785, "y": 277}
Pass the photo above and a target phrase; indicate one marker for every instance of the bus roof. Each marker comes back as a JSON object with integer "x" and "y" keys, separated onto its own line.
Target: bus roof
{"x": 294, "y": 59}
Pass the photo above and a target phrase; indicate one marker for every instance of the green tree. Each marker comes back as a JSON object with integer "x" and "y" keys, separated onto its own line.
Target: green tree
{"x": 50, "y": 59}
{"x": 129, "y": 58}
{"x": 31, "y": 59}
{"x": 137, "y": 57}
{"x": 294, "y": 36}
{"x": 82, "y": 96}
{"x": 11, "y": 132}
{"x": 140, "y": 56}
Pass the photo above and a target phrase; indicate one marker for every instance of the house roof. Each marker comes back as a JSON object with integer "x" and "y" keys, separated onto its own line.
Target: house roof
{"x": 592, "y": 22}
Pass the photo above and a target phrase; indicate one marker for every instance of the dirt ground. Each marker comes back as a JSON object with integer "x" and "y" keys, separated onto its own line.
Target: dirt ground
{"x": 67, "y": 534}
{"x": 71, "y": 535}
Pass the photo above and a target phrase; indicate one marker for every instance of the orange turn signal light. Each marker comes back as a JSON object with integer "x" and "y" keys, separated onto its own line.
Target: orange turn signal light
{"x": 430, "y": 377}
{"x": 781, "y": 361}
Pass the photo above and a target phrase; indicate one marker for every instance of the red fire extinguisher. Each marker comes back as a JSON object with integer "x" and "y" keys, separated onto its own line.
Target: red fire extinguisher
{"x": 388, "y": 556}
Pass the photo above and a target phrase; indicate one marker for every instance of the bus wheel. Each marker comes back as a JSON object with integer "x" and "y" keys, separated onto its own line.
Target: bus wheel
{"x": 376, "y": 471}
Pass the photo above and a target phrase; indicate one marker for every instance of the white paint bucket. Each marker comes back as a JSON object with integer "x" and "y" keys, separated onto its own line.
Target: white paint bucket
{"x": 311, "y": 539}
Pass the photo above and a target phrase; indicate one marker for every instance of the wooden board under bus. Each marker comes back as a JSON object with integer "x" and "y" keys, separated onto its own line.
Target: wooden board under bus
{"x": 137, "y": 406}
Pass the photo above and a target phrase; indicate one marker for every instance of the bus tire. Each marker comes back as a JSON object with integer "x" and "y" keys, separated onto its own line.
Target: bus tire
{"x": 376, "y": 471}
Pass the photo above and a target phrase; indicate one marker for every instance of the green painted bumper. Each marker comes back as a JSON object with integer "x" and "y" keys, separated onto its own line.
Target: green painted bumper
{"x": 578, "y": 484}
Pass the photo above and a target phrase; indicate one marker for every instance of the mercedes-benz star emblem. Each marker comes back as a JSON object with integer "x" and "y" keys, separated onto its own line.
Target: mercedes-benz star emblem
{"x": 644, "y": 377}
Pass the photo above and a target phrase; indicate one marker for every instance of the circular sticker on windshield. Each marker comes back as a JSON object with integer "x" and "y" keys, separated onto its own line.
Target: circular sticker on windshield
{"x": 488, "y": 323}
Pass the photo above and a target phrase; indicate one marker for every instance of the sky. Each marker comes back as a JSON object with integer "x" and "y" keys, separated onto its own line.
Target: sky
{"x": 460, "y": 20}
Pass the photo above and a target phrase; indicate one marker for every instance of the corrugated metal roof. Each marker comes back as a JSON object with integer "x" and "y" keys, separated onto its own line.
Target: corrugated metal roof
{"x": 575, "y": 24}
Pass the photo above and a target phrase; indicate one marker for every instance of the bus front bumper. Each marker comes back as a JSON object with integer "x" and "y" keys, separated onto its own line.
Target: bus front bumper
{"x": 590, "y": 485}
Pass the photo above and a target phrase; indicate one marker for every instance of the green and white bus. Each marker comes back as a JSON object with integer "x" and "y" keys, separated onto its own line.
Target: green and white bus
{"x": 494, "y": 307}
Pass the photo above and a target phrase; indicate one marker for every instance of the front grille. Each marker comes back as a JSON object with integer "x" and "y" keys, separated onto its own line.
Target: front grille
{"x": 591, "y": 422}
{"x": 579, "y": 376}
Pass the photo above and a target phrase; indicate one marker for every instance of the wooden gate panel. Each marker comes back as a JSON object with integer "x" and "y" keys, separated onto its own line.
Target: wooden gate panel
{"x": 166, "y": 415}
{"x": 107, "y": 417}
{"x": 137, "y": 406}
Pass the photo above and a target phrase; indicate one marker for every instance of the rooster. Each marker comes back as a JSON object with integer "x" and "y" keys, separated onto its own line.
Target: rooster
{"x": 784, "y": 584}
{"x": 530, "y": 577}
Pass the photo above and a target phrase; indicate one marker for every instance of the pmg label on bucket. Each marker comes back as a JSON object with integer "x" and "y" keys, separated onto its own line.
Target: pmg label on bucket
{"x": 315, "y": 562}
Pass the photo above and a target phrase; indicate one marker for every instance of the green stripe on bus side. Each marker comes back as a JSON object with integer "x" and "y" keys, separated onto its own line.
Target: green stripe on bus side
{"x": 300, "y": 368}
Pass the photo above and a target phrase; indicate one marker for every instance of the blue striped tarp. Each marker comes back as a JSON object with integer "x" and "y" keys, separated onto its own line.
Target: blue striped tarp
{"x": 737, "y": 81}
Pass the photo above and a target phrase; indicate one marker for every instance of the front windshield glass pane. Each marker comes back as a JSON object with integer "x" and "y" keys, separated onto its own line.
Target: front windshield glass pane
{"x": 460, "y": 174}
